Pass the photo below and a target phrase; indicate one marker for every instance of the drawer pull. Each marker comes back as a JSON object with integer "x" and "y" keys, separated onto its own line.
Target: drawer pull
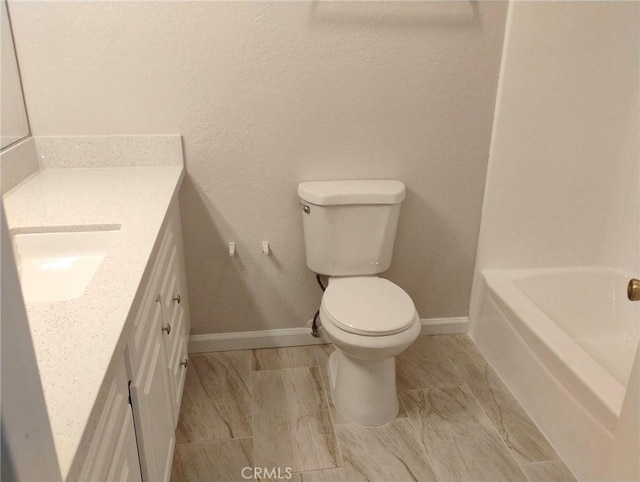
{"x": 167, "y": 328}
{"x": 184, "y": 362}
{"x": 176, "y": 299}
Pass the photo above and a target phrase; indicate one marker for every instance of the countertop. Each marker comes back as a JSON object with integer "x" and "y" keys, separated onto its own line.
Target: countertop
{"x": 75, "y": 340}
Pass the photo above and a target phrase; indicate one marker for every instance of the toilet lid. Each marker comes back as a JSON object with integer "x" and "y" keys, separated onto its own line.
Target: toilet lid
{"x": 368, "y": 305}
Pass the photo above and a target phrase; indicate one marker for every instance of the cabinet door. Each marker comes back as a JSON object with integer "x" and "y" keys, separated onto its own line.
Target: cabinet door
{"x": 125, "y": 466}
{"x": 153, "y": 413}
{"x": 113, "y": 454}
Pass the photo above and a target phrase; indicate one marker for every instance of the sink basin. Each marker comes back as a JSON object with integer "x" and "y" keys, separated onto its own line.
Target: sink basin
{"x": 58, "y": 265}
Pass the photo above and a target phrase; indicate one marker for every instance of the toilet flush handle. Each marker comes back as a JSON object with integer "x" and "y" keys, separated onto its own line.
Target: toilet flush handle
{"x": 305, "y": 208}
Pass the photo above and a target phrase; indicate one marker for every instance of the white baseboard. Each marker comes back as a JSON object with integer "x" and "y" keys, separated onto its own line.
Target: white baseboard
{"x": 246, "y": 340}
{"x": 444, "y": 326}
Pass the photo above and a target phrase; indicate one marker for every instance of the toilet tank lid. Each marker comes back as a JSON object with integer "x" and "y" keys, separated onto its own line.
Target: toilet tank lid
{"x": 378, "y": 191}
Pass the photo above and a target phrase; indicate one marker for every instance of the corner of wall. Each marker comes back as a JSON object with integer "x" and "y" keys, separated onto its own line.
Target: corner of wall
{"x": 476, "y": 288}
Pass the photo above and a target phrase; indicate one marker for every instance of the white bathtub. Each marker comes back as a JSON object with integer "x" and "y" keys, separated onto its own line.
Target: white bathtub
{"x": 564, "y": 341}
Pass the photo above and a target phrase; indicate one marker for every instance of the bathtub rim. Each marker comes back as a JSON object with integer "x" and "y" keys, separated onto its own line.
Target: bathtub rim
{"x": 589, "y": 383}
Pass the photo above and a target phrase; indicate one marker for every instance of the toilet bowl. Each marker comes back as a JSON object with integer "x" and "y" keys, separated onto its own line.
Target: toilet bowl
{"x": 370, "y": 321}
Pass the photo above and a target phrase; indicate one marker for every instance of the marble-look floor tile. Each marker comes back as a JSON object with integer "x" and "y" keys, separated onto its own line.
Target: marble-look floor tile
{"x": 548, "y": 472}
{"x": 291, "y": 422}
{"x": 389, "y": 453}
{"x": 292, "y": 429}
{"x": 460, "y": 440}
{"x": 322, "y": 354}
{"x": 524, "y": 439}
{"x": 425, "y": 365}
{"x": 216, "y": 403}
{"x": 216, "y": 460}
{"x": 286, "y": 357}
{"x": 460, "y": 349}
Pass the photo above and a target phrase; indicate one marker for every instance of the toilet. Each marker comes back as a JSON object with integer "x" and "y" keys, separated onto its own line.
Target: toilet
{"x": 349, "y": 233}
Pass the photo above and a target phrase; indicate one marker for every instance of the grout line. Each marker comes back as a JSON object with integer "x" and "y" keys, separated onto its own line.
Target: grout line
{"x": 305, "y": 364}
{"x": 327, "y": 394}
{"x": 283, "y": 368}
{"x": 251, "y": 355}
{"x": 213, "y": 440}
{"x": 402, "y": 404}
{"x": 528, "y": 464}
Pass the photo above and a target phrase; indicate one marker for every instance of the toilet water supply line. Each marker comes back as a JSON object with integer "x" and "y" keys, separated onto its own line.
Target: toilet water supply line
{"x": 314, "y": 326}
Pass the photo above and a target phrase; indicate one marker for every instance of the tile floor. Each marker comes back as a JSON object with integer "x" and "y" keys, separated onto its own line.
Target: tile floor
{"x": 271, "y": 408}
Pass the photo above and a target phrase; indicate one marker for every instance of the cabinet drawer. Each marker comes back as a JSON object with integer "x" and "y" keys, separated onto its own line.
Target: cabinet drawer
{"x": 149, "y": 311}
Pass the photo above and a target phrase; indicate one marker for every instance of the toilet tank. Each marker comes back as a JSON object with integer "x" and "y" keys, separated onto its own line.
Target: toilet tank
{"x": 350, "y": 226}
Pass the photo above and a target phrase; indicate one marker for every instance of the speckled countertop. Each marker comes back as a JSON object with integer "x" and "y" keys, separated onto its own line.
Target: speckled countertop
{"x": 75, "y": 340}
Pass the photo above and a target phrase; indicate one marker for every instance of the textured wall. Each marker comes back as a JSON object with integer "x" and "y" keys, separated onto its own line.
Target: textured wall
{"x": 267, "y": 94}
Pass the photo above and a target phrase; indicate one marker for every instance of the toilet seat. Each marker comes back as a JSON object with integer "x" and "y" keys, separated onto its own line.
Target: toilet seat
{"x": 368, "y": 306}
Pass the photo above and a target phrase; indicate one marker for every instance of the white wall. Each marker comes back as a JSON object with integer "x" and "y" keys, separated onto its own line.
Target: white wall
{"x": 267, "y": 94}
{"x": 563, "y": 179}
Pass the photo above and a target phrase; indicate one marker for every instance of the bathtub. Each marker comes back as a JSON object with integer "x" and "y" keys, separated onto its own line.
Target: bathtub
{"x": 564, "y": 341}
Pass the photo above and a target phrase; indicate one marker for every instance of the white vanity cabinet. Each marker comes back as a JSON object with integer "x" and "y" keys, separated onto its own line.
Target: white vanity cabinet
{"x": 157, "y": 352}
{"x": 135, "y": 436}
{"x": 113, "y": 410}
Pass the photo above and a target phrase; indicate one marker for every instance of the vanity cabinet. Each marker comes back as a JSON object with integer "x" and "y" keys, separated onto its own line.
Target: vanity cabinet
{"x": 157, "y": 352}
{"x": 135, "y": 437}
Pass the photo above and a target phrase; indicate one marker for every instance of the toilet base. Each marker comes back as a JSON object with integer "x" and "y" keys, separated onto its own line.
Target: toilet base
{"x": 364, "y": 391}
